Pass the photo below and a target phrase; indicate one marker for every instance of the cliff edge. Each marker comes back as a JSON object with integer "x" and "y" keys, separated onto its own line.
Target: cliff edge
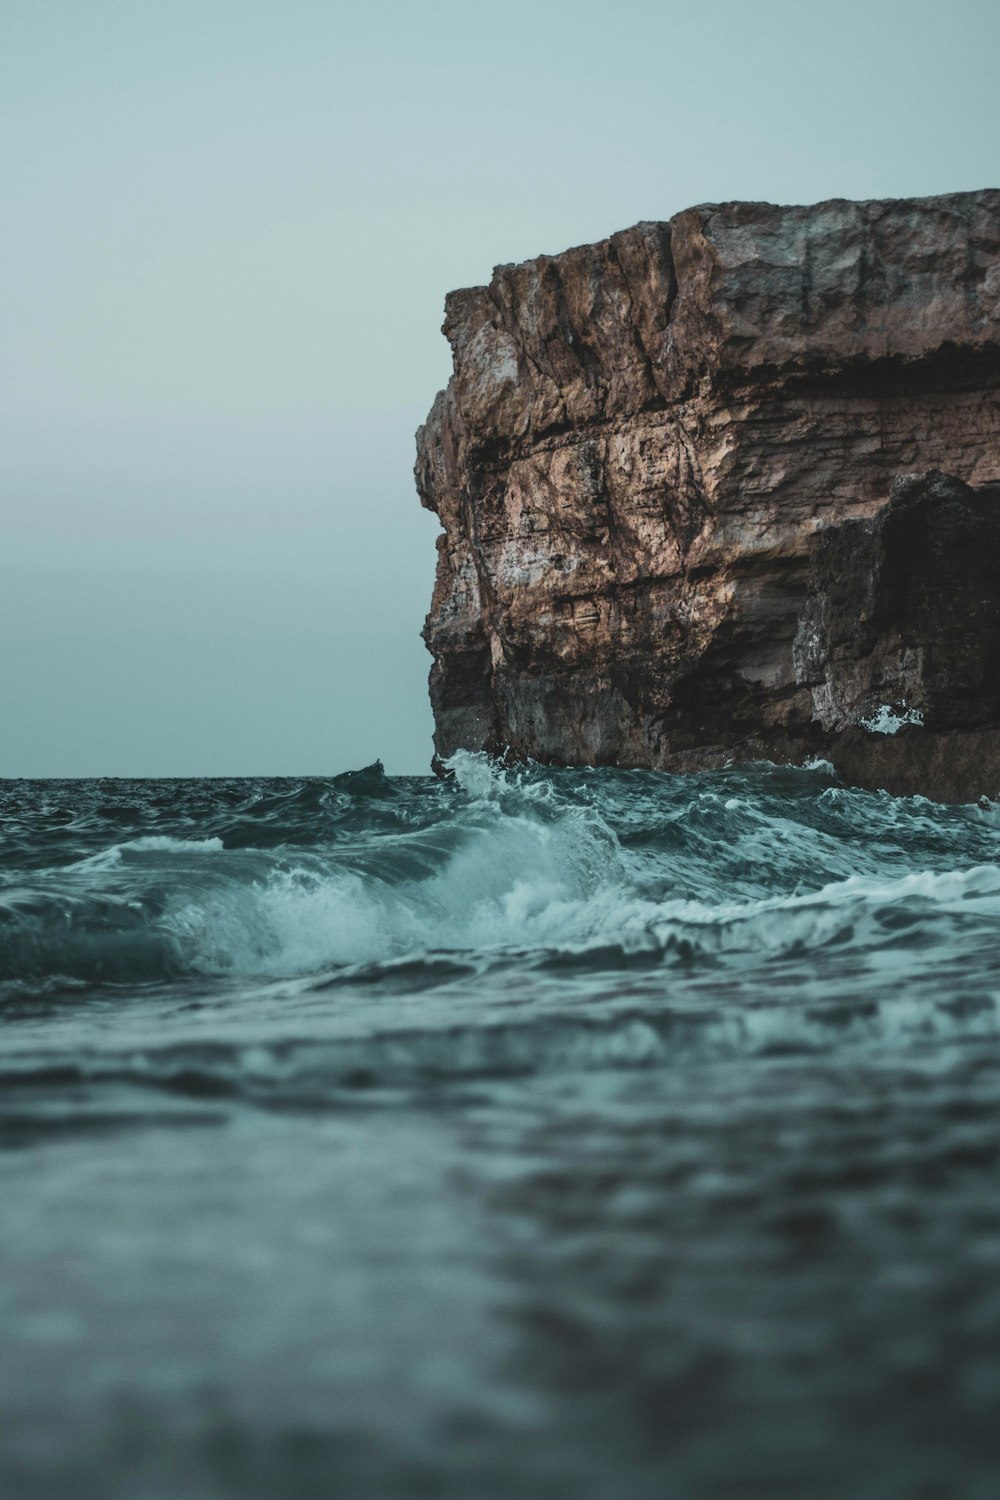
{"x": 728, "y": 488}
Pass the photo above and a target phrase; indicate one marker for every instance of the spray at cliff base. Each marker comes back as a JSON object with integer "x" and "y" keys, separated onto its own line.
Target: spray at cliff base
{"x": 566, "y": 1133}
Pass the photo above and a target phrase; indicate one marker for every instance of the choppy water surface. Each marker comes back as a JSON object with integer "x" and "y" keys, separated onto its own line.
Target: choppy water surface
{"x": 579, "y": 1134}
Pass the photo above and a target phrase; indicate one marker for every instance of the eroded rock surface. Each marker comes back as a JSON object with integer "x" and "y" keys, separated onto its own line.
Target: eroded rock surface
{"x": 668, "y": 470}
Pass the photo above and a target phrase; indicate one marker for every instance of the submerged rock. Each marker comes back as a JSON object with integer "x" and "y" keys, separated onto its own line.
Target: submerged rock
{"x": 675, "y": 533}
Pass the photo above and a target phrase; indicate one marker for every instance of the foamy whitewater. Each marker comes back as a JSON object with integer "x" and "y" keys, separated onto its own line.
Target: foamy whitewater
{"x": 578, "y": 1134}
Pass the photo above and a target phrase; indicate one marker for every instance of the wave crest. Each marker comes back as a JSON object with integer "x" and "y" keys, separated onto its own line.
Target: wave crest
{"x": 585, "y": 867}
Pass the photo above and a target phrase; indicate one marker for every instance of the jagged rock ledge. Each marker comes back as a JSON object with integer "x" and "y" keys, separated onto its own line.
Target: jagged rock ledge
{"x": 727, "y": 488}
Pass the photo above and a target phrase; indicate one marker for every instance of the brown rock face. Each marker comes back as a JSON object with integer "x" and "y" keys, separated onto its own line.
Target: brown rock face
{"x": 667, "y": 466}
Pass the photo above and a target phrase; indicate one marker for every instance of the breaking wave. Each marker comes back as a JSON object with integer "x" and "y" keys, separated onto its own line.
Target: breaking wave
{"x": 518, "y": 870}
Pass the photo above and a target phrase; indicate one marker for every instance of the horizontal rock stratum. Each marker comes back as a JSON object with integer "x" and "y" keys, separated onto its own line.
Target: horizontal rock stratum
{"x": 728, "y": 488}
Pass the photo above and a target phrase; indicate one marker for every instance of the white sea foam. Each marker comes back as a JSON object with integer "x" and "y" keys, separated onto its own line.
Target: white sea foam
{"x": 157, "y": 843}
{"x": 885, "y": 720}
{"x": 163, "y": 843}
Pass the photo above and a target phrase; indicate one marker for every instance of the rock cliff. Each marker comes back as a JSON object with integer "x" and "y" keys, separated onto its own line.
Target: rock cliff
{"x": 728, "y": 487}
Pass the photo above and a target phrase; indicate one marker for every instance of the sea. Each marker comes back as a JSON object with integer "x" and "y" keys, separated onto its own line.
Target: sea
{"x": 586, "y": 1134}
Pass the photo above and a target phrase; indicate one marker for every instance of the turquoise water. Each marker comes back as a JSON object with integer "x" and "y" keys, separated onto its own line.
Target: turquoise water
{"x": 567, "y": 1133}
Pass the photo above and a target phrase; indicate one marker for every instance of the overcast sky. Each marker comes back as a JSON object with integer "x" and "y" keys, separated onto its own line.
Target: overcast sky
{"x": 228, "y": 232}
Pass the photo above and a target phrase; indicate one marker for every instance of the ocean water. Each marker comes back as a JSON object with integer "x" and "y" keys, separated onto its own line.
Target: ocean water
{"x": 580, "y": 1134}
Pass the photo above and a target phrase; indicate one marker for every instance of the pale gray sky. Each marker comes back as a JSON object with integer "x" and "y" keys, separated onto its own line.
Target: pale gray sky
{"x": 228, "y": 230}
